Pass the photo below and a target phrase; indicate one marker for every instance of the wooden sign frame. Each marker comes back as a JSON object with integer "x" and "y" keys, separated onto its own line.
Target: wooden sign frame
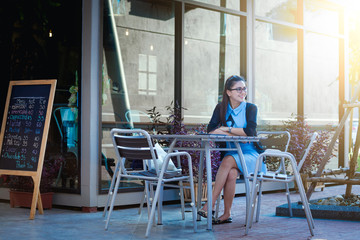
{"x": 36, "y": 175}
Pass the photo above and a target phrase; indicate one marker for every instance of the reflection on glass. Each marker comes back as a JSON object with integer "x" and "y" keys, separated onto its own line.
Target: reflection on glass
{"x": 283, "y": 10}
{"x": 142, "y": 62}
{"x": 138, "y": 76}
{"x": 142, "y": 83}
{"x": 321, "y": 17}
{"x": 152, "y": 84}
{"x": 212, "y": 53}
{"x": 147, "y": 74}
{"x": 321, "y": 78}
{"x": 152, "y": 64}
{"x": 275, "y": 73}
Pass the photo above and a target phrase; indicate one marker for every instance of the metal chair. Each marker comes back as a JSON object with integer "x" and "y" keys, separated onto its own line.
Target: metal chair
{"x": 137, "y": 144}
{"x": 274, "y": 140}
{"x": 276, "y": 176}
{"x": 271, "y": 140}
{"x": 66, "y": 122}
{"x": 65, "y": 119}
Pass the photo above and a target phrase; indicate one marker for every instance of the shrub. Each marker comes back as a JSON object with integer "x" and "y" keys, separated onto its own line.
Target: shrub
{"x": 300, "y": 133}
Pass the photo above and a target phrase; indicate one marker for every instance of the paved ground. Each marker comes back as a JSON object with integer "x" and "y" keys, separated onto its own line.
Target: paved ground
{"x": 127, "y": 224}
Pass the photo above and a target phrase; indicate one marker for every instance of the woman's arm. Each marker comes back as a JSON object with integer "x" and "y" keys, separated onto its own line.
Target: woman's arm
{"x": 251, "y": 116}
{"x": 232, "y": 131}
{"x": 215, "y": 120}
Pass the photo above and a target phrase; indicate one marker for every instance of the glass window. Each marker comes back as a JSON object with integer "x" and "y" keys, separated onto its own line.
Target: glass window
{"x": 231, "y": 4}
{"x": 38, "y": 42}
{"x": 211, "y": 54}
{"x": 283, "y": 10}
{"x": 275, "y": 72}
{"x": 138, "y": 71}
{"x": 321, "y": 72}
{"x": 321, "y": 17}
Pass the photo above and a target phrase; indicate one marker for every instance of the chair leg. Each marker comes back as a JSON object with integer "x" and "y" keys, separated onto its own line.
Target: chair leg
{"x": 251, "y": 208}
{"x": 306, "y": 206}
{"x": 113, "y": 200}
{"x": 142, "y": 202}
{"x": 305, "y": 202}
{"x": 111, "y": 188}
{"x": 151, "y": 202}
{"x": 181, "y": 192}
{"x": 287, "y": 188}
{"x": 160, "y": 200}
{"x": 248, "y": 193}
{"x": 288, "y": 199}
{"x": 153, "y": 207}
{"x": 192, "y": 204}
{"x": 148, "y": 196}
{"x": 200, "y": 181}
{"x": 258, "y": 202}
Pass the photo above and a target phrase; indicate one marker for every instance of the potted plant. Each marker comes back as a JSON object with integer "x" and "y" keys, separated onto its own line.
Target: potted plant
{"x": 21, "y": 187}
{"x": 300, "y": 134}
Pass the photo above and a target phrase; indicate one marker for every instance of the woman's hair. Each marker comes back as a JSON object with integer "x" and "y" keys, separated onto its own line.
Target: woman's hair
{"x": 225, "y": 98}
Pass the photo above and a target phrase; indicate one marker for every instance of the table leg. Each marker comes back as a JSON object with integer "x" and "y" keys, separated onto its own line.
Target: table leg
{"x": 209, "y": 185}
{"x": 246, "y": 179}
{"x": 200, "y": 181}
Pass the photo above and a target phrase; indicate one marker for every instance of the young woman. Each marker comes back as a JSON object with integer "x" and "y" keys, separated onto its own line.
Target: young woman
{"x": 235, "y": 117}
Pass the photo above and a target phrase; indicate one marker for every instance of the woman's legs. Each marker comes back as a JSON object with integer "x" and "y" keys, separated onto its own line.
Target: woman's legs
{"x": 227, "y": 164}
{"x": 229, "y": 193}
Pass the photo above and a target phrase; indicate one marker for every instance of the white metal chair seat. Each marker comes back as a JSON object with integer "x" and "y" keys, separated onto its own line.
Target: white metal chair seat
{"x": 137, "y": 144}
{"x": 275, "y": 176}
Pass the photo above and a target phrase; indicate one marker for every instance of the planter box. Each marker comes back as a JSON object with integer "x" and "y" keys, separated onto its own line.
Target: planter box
{"x": 24, "y": 199}
{"x": 187, "y": 195}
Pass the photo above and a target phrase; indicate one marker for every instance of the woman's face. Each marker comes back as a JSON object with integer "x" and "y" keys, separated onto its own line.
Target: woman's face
{"x": 237, "y": 93}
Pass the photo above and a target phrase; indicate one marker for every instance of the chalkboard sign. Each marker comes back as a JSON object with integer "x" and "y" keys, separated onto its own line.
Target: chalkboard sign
{"x": 25, "y": 129}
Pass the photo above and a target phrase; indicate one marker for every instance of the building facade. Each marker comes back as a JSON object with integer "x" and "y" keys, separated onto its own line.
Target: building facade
{"x": 134, "y": 55}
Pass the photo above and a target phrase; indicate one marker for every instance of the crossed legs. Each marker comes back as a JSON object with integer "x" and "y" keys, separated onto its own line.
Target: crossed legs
{"x": 225, "y": 179}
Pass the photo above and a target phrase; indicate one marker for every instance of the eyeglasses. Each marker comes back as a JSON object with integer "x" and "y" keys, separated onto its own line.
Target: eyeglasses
{"x": 239, "y": 90}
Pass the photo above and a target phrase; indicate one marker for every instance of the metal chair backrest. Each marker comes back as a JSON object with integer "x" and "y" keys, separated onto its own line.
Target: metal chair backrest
{"x": 307, "y": 149}
{"x": 275, "y": 140}
{"x": 134, "y": 144}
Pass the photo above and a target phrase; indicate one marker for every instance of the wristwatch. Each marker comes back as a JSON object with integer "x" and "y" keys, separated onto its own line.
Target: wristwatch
{"x": 230, "y": 129}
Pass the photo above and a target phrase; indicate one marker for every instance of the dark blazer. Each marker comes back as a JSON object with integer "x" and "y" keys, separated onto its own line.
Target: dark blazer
{"x": 251, "y": 115}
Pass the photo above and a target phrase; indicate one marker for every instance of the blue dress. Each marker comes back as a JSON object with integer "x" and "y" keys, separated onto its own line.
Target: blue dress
{"x": 236, "y": 118}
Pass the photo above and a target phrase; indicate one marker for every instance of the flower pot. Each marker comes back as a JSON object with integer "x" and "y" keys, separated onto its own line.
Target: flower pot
{"x": 187, "y": 195}
{"x": 24, "y": 199}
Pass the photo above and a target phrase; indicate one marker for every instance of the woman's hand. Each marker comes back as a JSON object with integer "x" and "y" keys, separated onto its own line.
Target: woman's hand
{"x": 217, "y": 131}
{"x": 221, "y": 130}
{"x": 224, "y": 129}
